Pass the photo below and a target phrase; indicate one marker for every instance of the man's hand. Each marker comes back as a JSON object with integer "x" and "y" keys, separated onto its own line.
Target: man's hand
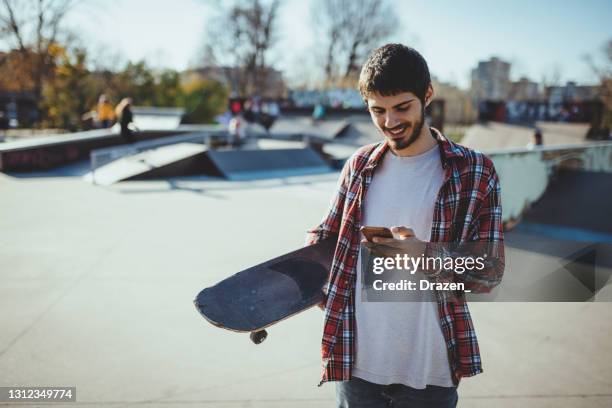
{"x": 404, "y": 241}
{"x": 321, "y": 304}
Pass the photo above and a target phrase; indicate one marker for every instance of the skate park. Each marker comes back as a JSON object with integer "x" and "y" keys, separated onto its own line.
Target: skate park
{"x": 150, "y": 151}
{"x": 99, "y": 276}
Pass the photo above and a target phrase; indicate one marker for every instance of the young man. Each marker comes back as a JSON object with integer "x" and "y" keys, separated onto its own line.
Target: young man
{"x": 425, "y": 188}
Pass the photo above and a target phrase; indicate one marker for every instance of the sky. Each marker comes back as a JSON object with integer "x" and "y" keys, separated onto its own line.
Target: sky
{"x": 537, "y": 37}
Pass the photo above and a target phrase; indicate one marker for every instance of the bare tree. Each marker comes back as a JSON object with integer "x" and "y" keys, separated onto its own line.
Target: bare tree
{"x": 328, "y": 18}
{"x": 550, "y": 78}
{"x": 352, "y": 29}
{"x": 603, "y": 70}
{"x": 240, "y": 40}
{"x": 33, "y": 28}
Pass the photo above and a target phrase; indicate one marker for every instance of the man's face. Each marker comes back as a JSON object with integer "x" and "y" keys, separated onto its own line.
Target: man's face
{"x": 398, "y": 117}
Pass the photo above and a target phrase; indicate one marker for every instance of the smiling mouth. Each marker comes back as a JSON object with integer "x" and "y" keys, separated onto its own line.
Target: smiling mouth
{"x": 397, "y": 131}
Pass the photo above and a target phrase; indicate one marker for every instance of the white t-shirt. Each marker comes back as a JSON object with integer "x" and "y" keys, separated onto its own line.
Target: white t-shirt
{"x": 402, "y": 342}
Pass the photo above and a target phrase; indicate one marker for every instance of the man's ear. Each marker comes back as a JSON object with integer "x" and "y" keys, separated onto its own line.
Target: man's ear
{"x": 429, "y": 94}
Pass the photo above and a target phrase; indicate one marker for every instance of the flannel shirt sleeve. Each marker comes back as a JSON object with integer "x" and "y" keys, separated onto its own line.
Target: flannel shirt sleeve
{"x": 487, "y": 238}
{"x": 490, "y": 233}
{"x": 330, "y": 225}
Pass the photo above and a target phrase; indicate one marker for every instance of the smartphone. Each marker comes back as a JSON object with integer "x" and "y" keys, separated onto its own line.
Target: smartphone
{"x": 371, "y": 232}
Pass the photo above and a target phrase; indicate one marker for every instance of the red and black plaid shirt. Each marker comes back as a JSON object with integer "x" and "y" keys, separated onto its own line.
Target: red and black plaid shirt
{"x": 467, "y": 209}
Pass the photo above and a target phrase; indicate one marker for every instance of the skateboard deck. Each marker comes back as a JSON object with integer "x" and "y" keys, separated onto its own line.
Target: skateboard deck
{"x": 265, "y": 294}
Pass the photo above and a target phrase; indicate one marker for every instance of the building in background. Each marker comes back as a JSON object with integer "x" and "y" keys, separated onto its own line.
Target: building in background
{"x": 571, "y": 92}
{"x": 458, "y": 106}
{"x": 525, "y": 105}
{"x": 490, "y": 88}
{"x": 575, "y": 103}
{"x": 524, "y": 90}
{"x": 491, "y": 80}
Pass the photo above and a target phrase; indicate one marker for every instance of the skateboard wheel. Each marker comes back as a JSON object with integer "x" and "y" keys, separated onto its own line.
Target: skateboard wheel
{"x": 258, "y": 336}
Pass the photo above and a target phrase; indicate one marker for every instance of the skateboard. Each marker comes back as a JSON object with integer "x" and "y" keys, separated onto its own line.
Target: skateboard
{"x": 262, "y": 295}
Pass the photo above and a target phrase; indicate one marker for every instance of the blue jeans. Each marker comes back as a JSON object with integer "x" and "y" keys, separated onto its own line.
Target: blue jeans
{"x": 358, "y": 393}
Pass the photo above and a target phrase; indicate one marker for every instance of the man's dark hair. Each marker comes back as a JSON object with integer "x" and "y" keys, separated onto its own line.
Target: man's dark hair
{"x": 392, "y": 69}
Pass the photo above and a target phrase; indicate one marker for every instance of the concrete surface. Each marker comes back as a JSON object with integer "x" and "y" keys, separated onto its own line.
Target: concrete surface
{"x": 494, "y": 135}
{"x": 98, "y": 283}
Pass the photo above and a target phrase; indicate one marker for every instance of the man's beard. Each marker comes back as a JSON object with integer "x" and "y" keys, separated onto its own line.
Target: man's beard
{"x": 399, "y": 144}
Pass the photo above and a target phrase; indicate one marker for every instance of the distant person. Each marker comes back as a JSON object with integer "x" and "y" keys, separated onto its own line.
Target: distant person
{"x": 236, "y": 130}
{"x": 247, "y": 108}
{"x": 274, "y": 110}
{"x": 318, "y": 113}
{"x": 235, "y": 107}
{"x": 106, "y": 114}
{"x": 89, "y": 120}
{"x": 537, "y": 139}
{"x": 269, "y": 114}
{"x": 272, "y": 113}
{"x": 256, "y": 109}
{"x": 124, "y": 118}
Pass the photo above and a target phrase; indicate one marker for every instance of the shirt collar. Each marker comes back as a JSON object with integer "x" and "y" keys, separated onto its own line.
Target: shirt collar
{"x": 448, "y": 151}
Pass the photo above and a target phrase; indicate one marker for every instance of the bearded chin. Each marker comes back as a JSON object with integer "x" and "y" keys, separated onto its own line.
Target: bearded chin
{"x": 402, "y": 144}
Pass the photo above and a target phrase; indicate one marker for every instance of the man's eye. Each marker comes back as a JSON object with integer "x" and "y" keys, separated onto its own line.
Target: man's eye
{"x": 402, "y": 109}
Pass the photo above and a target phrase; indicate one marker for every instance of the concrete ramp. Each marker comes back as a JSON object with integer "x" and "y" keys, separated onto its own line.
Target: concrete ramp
{"x": 576, "y": 205}
{"x": 165, "y": 161}
{"x": 328, "y": 128}
{"x": 525, "y": 174}
{"x": 254, "y": 164}
{"x": 279, "y": 159}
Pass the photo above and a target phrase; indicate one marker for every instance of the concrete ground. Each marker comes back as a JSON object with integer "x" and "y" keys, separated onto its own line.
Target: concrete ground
{"x": 98, "y": 282}
{"x": 494, "y": 135}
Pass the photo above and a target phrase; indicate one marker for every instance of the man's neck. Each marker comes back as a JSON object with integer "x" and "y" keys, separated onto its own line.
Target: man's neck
{"x": 424, "y": 143}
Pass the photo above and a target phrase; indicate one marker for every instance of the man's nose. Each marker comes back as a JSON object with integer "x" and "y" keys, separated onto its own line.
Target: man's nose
{"x": 391, "y": 120}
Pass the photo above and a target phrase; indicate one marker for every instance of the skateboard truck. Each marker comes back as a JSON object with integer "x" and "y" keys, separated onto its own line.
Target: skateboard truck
{"x": 258, "y": 337}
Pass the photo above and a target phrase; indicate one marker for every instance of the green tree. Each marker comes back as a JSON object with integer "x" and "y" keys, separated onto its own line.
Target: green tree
{"x": 144, "y": 86}
{"x": 66, "y": 95}
{"x": 137, "y": 81}
{"x": 203, "y": 100}
{"x": 168, "y": 91}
